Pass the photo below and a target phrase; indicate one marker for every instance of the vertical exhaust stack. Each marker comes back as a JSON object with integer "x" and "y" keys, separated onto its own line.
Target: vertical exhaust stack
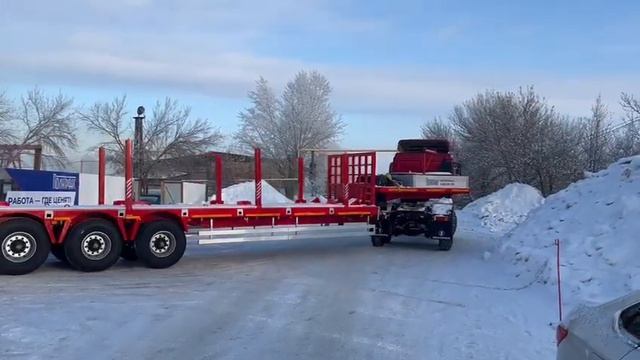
{"x": 300, "y": 199}
{"x": 101, "y": 175}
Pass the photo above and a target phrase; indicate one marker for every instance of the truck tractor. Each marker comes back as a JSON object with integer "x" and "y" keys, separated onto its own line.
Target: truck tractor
{"x": 416, "y": 196}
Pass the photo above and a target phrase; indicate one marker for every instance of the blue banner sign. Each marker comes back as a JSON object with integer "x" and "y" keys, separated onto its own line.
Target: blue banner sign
{"x": 40, "y": 180}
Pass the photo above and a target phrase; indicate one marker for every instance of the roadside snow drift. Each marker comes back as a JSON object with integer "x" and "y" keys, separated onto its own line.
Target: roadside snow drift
{"x": 597, "y": 221}
{"x": 246, "y": 191}
{"x": 502, "y": 210}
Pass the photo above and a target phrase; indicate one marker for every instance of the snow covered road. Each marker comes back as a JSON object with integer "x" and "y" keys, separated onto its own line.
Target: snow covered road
{"x": 317, "y": 299}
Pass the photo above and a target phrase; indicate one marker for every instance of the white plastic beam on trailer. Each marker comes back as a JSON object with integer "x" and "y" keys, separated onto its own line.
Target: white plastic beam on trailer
{"x": 434, "y": 181}
{"x": 283, "y": 233}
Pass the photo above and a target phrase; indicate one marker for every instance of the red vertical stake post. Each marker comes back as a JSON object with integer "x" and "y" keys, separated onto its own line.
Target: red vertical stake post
{"x": 300, "y": 180}
{"x": 330, "y": 176}
{"x": 344, "y": 173}
{"x": 258, "y": 177}
{"x": 219, "y": 180}
{"x": 128, "y": 175}
{"x": 557, "y": 243}
{"x": 101, "y": 174}
{"x": 373, "y": 178}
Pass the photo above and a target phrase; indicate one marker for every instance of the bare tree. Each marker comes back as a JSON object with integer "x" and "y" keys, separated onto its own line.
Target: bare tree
{"x": 41, "y": 120}
{"x": 627, "y": 136}
{"x": 630, "y": 104}
{"x": 596, "y": 140}
{"x": 301, "y": 118}
{"x": 169, "y": 132}
{"x": 515, "y": 137}
{"x": 6, "y": 109}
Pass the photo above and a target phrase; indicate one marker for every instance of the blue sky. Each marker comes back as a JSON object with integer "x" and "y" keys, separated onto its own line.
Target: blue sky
{"x": 393, "y": 64}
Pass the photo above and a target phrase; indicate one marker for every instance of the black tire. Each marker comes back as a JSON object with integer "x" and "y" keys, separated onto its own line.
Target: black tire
{"x": 93, "y": 245}
{"x": 386, "y": 239}
{"x": 24, "y": 246}
{"x": 454, "y": 223}
{"x": 160, "y": 244}
{"x": 58, "y": 252}
{"x": 445, "y": 244}
{"x": 129, "y": 252}
{"x": 378, "y": 240}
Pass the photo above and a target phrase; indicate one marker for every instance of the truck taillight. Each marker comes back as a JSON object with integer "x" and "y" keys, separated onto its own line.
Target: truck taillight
{"x": 441, "y": 218}
{"x": 561, "y": 334}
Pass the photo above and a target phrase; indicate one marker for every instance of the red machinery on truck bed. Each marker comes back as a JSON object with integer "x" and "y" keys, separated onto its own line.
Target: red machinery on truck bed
{"x": 415, "y": 198}
{"x": 92, "y": 238}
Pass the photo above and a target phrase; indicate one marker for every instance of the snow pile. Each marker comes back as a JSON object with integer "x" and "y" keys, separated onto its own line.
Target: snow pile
{"x": 246, "y": 192}
{"x": 502, "y": 210}
{"x": 598, "y": 223}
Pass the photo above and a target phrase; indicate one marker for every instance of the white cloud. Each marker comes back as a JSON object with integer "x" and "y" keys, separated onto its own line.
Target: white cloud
{"x": 356, "y": 89}
{"x": 211, "y": 48}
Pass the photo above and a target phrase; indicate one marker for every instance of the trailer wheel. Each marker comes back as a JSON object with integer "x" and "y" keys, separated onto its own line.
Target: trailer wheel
{"x": 24, "y": 246}
{"x": 161, "y": 244}
{"x": 445, "y": 244}
{"x": 129, "y": 252}
{"x": 454, "y": 222}
{"x": 93, "y": 245}
{"x": 58, "y": 253}
{"x": 379, "y": 240}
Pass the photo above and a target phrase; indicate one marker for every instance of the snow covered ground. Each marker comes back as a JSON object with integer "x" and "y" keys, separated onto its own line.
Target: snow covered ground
{"x": 491, "y": 297}
{"x": 307, "y": 299}
{"x": 502, "y": 210}
{"x": 596, "y": 221}
{"x": 246, "y": 192}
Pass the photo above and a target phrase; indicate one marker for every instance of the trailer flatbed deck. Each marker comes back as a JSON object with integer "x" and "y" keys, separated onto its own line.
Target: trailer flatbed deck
{"x": 92, "y": 238}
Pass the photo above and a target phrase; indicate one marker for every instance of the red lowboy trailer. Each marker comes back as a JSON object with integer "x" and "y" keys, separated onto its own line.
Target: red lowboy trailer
{"x": 92, "y": 238}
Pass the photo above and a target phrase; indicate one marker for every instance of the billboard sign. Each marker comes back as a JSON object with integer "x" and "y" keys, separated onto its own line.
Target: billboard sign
{"x": 41, "y": 198}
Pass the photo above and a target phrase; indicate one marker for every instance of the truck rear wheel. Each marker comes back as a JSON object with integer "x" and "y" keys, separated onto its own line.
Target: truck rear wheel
{"x": 379, "y": 240}
{"x": 445, "y": 244}
{"x": 24, "y": 246}
{"x": 160, "y": 244}
{"x": 454, "y": 223}
{"x": 93, "y": 245}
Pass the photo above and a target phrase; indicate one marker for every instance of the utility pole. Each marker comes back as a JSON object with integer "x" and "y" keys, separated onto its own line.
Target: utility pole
{"x": 138, "y": 147}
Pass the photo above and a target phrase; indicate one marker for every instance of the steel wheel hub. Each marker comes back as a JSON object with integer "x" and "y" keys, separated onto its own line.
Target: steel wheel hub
{"x": 162, "y": 244}
{"x": 96, "y": 245}
{"x": 18, "y": 247}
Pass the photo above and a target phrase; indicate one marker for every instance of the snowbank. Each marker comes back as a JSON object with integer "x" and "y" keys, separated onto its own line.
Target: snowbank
{"x": 598, "y": 222}
{"x": 246, "y": 191}
{"x": 503, "y": 210}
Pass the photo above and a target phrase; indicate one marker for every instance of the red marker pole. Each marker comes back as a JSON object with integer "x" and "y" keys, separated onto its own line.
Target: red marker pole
{"x": 258, "y": 177}
{"x": 128, "y": 174}
{"x": 344, "y": 174}
{"x": 557, "y": 243}
{"x": 101, "y": 175}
